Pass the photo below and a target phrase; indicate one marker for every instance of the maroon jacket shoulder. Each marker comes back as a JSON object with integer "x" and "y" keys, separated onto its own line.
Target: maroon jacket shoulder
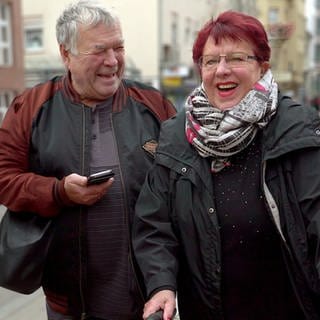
{"x": 152, "y": 98}
{"x": 15, "y": 178}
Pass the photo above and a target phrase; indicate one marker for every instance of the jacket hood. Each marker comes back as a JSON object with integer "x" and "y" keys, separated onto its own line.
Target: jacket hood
{"x": 293, "y": 127}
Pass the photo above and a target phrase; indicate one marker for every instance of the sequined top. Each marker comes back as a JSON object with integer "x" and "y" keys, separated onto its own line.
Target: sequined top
{"x": 255, "y": 283}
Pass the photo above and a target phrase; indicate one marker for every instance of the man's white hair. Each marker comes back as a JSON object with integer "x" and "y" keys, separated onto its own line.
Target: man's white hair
{"x": 83, "y": 12}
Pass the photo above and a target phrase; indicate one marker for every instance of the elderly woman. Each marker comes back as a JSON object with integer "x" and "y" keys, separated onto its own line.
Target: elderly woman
{"x": 229, "y": 216}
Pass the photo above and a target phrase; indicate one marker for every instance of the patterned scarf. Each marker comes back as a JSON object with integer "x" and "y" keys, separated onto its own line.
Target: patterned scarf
{"x": 221, "y": 134}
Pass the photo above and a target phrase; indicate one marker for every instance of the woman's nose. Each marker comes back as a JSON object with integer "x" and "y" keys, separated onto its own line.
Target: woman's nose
{"x": 223, "y": 66}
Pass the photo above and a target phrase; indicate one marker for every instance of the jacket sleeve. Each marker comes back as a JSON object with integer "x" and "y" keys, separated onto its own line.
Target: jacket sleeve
{"x": 306, "y": 180}
{"x": 154, "y": 242}
{"x": 20, "y": 189}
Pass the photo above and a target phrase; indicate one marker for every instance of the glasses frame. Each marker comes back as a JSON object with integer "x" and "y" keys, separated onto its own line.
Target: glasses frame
{"x": 227, "y": 58}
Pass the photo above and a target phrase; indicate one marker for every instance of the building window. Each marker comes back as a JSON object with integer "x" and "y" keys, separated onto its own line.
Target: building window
{"x": 33, "y": 39}
{"x": 6, "y": 98}
{"x": 196, "y": 28}
{"x": 174, "y": 29}
{"x": 317, "y": 83}
{"x": 187, "y": 30}
{"x": 273, "y": 15}
{"x": 318, "y": 26}
{"x": 33, "y": 34}
{"x": 317, "y": 53}
{"x": 6, "y": 58}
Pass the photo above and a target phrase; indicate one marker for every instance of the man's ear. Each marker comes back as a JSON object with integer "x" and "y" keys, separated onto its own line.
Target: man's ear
{"x": 64, "y": 55}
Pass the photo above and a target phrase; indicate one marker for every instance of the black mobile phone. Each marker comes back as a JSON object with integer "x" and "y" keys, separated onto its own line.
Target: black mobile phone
{"x": 100, "y": 177}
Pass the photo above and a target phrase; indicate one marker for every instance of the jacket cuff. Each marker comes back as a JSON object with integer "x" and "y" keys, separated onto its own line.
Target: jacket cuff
{"x": 60, "y": 195}
{"x": 160, "y": 289}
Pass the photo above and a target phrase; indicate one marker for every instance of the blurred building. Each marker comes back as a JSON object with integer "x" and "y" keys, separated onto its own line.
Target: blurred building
{"x": 180, "y": 21}
{"x": 159, "y": 35}
{"x": 158, "y": 40}
{"x": 11, "y": 53}
{"x": 42, "y": 58}
{"x": 312, "y": 71}
{"x": 286, "y": 23}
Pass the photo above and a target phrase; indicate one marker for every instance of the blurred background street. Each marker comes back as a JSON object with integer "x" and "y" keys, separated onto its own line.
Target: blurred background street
{"x": 159, "y": 44}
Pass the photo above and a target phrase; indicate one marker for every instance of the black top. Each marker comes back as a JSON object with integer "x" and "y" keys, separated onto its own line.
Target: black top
{"x": 255, "y": 284}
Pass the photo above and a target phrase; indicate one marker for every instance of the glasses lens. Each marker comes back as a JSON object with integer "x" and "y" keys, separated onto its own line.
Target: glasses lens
{"x": 209, "y": 61}
{"x": 237, "y": 59}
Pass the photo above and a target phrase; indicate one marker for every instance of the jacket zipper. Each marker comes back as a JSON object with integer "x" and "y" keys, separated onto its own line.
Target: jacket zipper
{"x": 83, "y": 313}
{"x": 126, "y": 215}
{"x": 274, "y": 211}
{"x": 273, "y": 208}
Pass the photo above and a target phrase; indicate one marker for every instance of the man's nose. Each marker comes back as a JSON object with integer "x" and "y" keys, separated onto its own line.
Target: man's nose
{"x": 110, "y": 57}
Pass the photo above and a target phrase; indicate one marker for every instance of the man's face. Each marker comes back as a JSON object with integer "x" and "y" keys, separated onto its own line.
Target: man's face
{"x": 97, "y": 69}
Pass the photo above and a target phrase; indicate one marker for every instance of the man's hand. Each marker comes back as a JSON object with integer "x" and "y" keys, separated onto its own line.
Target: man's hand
{"x": 164, "y": 300}
{"x": 79, "y": 192}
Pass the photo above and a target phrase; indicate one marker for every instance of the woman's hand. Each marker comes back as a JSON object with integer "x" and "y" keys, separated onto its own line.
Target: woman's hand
{"x": 163, "y": 300}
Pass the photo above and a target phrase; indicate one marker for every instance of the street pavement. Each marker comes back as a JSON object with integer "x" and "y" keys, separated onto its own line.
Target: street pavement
{"x": 15, "y": 306}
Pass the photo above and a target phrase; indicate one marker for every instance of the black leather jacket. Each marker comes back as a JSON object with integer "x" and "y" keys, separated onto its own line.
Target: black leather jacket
{"x": 45, "y": 137}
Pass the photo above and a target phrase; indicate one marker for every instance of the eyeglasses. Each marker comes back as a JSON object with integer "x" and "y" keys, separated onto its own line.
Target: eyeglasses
{"x": 233, "y": 60}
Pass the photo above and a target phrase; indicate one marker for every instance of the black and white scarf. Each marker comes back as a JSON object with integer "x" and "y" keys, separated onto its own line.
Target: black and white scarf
{"x": 220, "y": 134}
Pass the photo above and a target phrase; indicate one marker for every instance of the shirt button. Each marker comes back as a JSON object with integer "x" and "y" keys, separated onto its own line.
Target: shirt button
{"x": 184, "y": 169}
{"x": 318, "y": 132}
{"x": 211, "y": 210}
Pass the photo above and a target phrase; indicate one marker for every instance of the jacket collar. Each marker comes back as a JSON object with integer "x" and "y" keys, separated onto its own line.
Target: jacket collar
{"x": 292, "y": 128}
{"x": 182, "y": 157}
{"x": 69, "y": 90}
{"x": 119, "y": 100}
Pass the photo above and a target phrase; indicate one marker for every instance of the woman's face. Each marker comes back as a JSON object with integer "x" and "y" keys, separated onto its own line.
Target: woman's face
{"x": 226, "y": 84}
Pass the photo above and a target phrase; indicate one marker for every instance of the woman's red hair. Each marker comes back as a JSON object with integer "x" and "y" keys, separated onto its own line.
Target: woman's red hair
{"x": 236, "y": 26}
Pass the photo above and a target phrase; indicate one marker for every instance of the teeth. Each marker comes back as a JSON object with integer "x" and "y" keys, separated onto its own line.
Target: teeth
{"x": 227, "y": 86}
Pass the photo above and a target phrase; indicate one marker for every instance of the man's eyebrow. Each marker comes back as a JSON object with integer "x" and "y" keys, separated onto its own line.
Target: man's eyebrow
{"x": 99, "y": 46}
{"x": 103, "y": 46}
